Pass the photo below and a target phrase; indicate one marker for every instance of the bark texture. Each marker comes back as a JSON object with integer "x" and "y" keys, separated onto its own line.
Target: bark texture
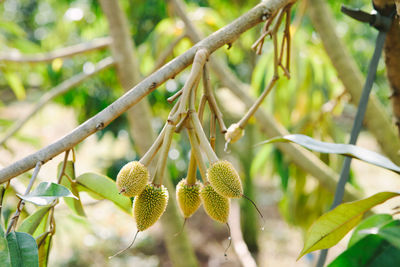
{"x": 179, "y": 248}
{"x": 392, "y": 54}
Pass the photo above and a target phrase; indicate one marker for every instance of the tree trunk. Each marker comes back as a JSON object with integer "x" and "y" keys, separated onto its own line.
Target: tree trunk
{"x": 392, "y": 55}
{"x": 179, "y": 249}
{"x": 376, "y": 119}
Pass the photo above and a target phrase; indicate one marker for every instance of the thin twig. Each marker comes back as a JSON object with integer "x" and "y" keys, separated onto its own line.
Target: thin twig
{"x": 21, "y": 203}
{"x": 226, "y": 35}
{"x": 60, "y": 89}
{"x": 61, "y": 174}
{"x": 96, "y": 44}
{"x": 243, "y": 122}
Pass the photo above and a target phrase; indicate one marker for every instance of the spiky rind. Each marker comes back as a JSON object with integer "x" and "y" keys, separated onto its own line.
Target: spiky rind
{"x": 225, "y": 179}
{"x": 188, "y": 197}
{"x": 150, "y": 205}
{"x": 132, "y": 178}
{"x": 215, "y": 205}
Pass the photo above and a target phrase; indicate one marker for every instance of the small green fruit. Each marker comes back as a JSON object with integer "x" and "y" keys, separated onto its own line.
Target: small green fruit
{"x": 215, "y": 205}
{"x": 150, "y": 205}
{"x": 225, "y": 179}
{"x": 132, "y": 179}
{"x": 188, "y": 197}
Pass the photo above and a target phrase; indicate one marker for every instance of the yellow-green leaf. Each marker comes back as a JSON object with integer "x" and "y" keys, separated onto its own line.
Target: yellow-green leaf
{"x": 30, "y": 224}
{"x": 44, "y": 242}
{"x": 331, "y": 227}
{"x": 104, "y": 188}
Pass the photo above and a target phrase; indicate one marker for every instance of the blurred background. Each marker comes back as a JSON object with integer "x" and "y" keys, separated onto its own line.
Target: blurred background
{"x": 313, "y": 102}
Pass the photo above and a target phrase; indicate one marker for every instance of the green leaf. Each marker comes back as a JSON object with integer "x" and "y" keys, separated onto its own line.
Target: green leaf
{"x": 4, "y": 252}
{"x": 23, "y": 249}
{"x": 331, "y": 227}
{"x": 74, "y": 204}
{"x": 15, "y": 83}
{"x": 30, "y": 224}
{"x": 376, "y": 220}
{"x": 45, "y": 193}
{"x": 390, "y": 232}
{"x": 371, "y": 251}
{"x": 343, "y": 149}
{"x": 44, "y": 243}
{"x": 104, "y": 188}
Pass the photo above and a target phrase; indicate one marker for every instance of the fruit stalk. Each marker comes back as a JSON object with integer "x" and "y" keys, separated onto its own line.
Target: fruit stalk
{"x": 211, "y": 99}
{"x": 197, "y": 153}
{"x": 169, "y": 131}
{"x": 197, "y": 67}
{"x": 204, "y": 144}
{"x": 191, "y": 175}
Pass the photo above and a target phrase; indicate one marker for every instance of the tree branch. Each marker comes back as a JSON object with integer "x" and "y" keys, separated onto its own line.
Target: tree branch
{"x": 96, "y": 44}
{"x": 228, "y": 34}
{"x": 60, "y": 89}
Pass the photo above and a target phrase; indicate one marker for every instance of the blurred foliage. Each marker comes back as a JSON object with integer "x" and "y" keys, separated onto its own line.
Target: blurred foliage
{"x": 310, "y": 103}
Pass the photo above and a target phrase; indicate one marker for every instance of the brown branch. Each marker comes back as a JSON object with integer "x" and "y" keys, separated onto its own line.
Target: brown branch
{"x": 226, "y": 35}
{"x": 96, "y": 44}
{"x": 60, "y": 89}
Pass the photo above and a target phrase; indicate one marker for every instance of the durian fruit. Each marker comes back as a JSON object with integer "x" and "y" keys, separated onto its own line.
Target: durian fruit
{"x": 215, "y": 205}
{"x": 225, "y": 179}
{"x": 150, "y": 205}
{"x": 132, "y": 179}
{"x": 188, "y": 197}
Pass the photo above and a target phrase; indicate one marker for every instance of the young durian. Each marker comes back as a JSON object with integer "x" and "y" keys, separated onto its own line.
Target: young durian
{"x": 150, "y": 205}
{"x": 188, "y": 197}
{"x": 132, "y": 179}
{"x": 215, "y": 205}
{"x": 225, "y": 179}
{"x": 147, "y": 209}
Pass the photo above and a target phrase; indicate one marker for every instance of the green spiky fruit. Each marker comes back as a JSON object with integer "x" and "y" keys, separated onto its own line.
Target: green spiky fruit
{"x": 225, "y": 179}
{"x": 215, "y": 205}
{"x": 188, "y": 197}
{"x": 132, "y": 179}
{"x": 150, "y": 205}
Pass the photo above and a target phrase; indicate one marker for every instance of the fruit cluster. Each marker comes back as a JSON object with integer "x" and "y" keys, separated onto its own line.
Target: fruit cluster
{"x": 220, "y": 181}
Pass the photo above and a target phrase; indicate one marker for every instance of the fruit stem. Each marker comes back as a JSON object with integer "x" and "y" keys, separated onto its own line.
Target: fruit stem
{"x": 211, "y": 99}
{"x": 191, "y": 175}
{"x": 212, "y": 131}
{"x": 162, "y": 163}
{"x": 197, "y": 67}
{"x": 243, "y": 122}
{"x": 204, "y": 144}
{"x": 197, "y": 153}
{"x": 150, "y": 154}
